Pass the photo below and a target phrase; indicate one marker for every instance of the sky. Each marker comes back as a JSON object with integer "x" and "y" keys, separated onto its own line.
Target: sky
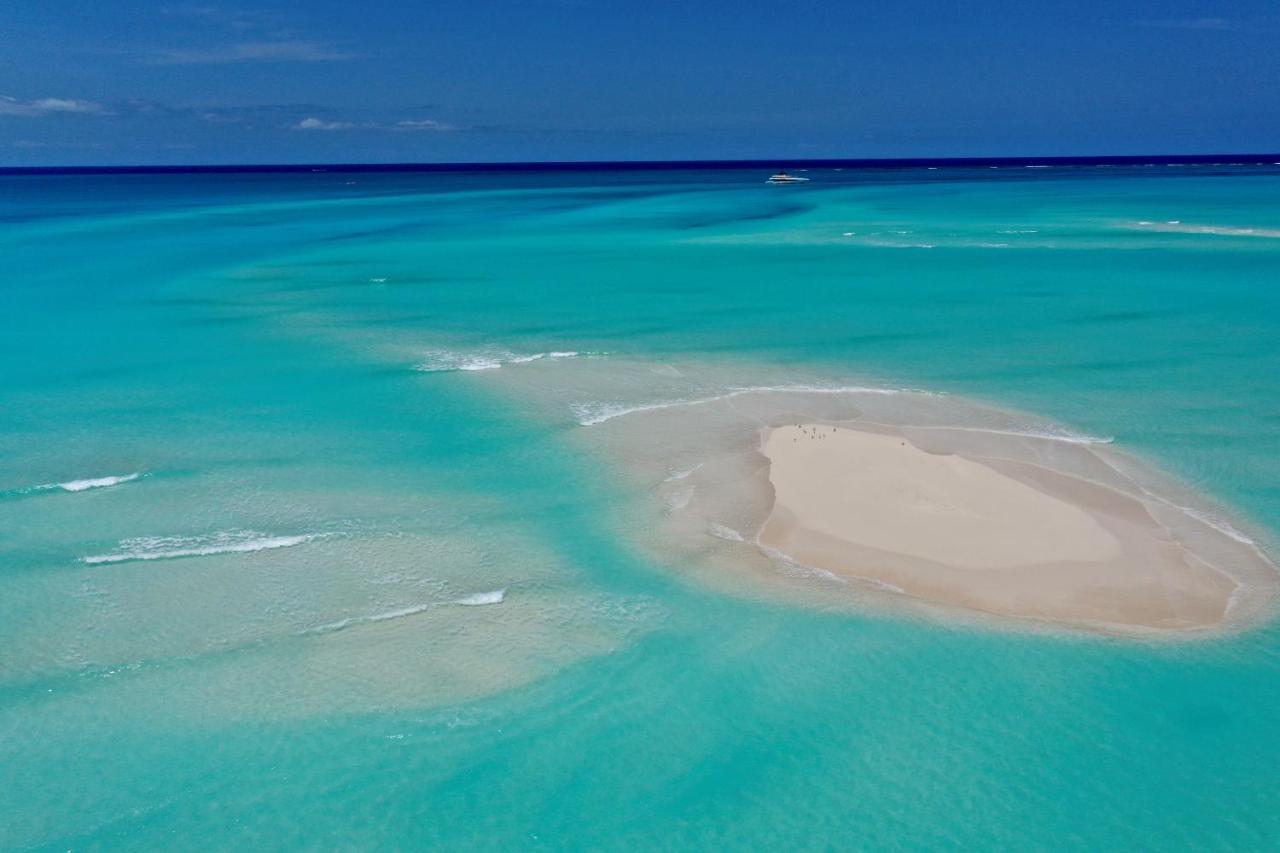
{"x": 125, "y": 82}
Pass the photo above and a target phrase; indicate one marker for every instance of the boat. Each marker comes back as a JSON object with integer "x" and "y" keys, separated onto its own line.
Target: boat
{"x": 784, "y": 178}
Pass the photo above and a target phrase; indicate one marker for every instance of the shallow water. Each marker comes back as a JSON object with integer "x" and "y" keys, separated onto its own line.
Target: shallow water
{"x": 383, "y": 576}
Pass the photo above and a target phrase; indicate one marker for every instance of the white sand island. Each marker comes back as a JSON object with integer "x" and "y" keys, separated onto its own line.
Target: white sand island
{"x": 998, "y": 536}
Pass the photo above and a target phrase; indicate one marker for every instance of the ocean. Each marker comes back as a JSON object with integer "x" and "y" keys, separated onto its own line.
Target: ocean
{"x": 322, "y": 525}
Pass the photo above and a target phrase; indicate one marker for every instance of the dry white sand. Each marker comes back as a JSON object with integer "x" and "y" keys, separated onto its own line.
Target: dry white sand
{"x": 998, "y": 536}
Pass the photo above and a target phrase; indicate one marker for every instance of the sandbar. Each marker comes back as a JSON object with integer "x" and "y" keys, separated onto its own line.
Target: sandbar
{"x": 999, "y": 536}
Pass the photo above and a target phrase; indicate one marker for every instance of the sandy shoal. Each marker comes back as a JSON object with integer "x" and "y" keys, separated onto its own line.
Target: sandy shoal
{"x": 997, "y": 536}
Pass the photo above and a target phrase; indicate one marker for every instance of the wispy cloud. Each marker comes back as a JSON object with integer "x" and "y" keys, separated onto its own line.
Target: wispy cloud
{"x": 247, "y": 115}
{"x": 244, "y": 20}
{"x": 259, "y": 116}
{"x": 314, "y": 123}
{"x": 424, "y": 124}
{"x": 49, "y": 106}
{"x": 411, "y": 125}
{"x": 253, "y": 51}
{"x": 299, "y": 116}
{"x": 218, "y": 35}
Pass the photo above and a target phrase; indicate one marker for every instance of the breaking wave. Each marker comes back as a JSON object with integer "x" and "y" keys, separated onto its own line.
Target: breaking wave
{"x": 94, "y": 483}
{"x": 496, "y": 596}
{"x": 445, "y": 361}
{"x": 342, "y": 624}
{"x": 176, "y": 547}
{"x": 75, "y": 485}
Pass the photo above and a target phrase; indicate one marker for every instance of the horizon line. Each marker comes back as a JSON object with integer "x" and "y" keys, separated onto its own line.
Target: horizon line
{"x": 1222, "y": 159}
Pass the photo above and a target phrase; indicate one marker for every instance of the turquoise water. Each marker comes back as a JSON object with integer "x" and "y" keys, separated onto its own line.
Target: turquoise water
{"x": 374, "y": 585}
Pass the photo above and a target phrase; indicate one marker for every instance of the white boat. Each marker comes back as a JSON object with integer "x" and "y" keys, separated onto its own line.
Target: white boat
{"x": 784, "y": 178}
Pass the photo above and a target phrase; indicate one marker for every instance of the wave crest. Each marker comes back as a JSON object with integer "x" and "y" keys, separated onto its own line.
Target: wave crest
{"x": 95, "y": 483}
{"x": 496, "y": 596}
{"x": 176, "y": 547}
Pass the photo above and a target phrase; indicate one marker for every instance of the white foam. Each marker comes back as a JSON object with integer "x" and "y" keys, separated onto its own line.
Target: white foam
{"x": 883, "y": 585}
{"x": 441, "y": 361}
{"x": 524, "y": 359}
{"x": 827, "y": 389}
{"x": 342, "y": 624}
{"x": 1048, "y": 433}
{"x": 727, "y": 533}
{"x": 591, "y": 414}
{"x": 497, "y": 596}
{"x": 682, "y": 473}
{"x": 1221, "y": 525}
{"x": 175, "y": 547}
{"x": 793, "y": 569}
{"x": 93, "y": 483}
{"x": 1210, "y": 520}
{"x": 680, "y": 498}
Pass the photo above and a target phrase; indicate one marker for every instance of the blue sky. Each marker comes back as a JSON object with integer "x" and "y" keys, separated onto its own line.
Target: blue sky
{"x": 127, "y": 82}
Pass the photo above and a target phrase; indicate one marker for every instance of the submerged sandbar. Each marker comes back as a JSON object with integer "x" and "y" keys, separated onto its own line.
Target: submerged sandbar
{"x": 999, "y": 536}
{"x": 854, "y": 497}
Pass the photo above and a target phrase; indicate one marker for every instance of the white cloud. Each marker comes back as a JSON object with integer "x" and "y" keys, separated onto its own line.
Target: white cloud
{"x": 424, "y": 124}
{"x": 254, "y": 51}
{"x": 48, "y": 106}
{"x": 314, "y": 123}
